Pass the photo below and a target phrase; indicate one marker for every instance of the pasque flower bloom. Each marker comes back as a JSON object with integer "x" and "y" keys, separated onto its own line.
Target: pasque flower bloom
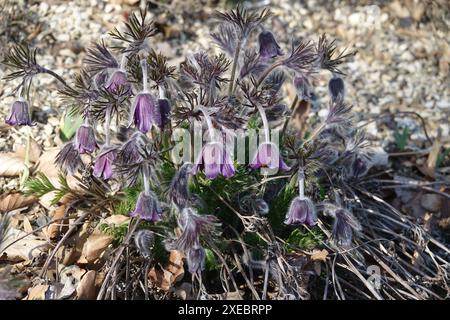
{"x": 196, "y": 259}
{"x": 193, "y": 225}
{"x": 268, "y": 156}
{"x": 336, "y": 88}
{"x": 145, "y": 112}
{"x": 164, "y": 111}
{"x": 147, "y": 207}
{"x": 116, "y": 81}
{"x": 85, "y": 139}
{"x": 268, "y": 46}
{"x": 20, "y": 113}
{"x": 301, "y": 211}
{"x": 68, "y": 158}
{"x": 214, "y": 160}
{"x": 104, "y": 163}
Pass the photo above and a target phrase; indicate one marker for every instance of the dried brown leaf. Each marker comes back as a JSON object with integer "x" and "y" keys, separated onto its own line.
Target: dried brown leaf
{"x": 11, "y": 165}
{"x": 175, "y": 265}
{"x": 86, "y": 288}
{"x": 163, "y": 279}
{"x": 95, "y": 245}
{"x": 15, "y": 200}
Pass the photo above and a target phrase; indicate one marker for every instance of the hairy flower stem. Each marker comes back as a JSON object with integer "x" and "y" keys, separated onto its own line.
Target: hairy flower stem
{"x": 267, "y": 72}
{"x": 316, "y": 132}
{"x": 233, "y": 70}
{"x": 211, "y": 131}
{"x": 162, "y": 91}
{"x": 57, "y": 77}
{"x": 144, "y": 74}
{"x": 108, "y": 126}
{"x": 301, "y": 182}
{"x": 146, "y": 178}
{"x": 288, "y": 118}
{"x": 123, "y": 62}
{"x": 265, "y": 123}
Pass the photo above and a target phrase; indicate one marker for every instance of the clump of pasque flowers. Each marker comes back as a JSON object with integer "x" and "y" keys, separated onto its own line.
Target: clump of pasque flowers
{"x": 134, "y": 88}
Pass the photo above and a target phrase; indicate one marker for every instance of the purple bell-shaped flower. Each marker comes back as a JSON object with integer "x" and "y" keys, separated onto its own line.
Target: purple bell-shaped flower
{"x": 85, "y": 139}
{"x": 20, "y": 113}
{"x": 268, "y": 156}
{"x": 214, "y": 160}
{"x": 147, "y": 207}
{"x": 268, "y": 46}
{"x": 104, "y": 163}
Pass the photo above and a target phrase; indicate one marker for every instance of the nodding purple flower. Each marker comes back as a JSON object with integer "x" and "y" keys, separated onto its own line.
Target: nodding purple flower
{"x": 303, "y": 87}
{"x": 164, "y": 111}
{"x": 20, "y": 113}
{"x": 104, "y": 163}
{"x": 85, "y": 139}
{"x": 179, "y": 191}
{"x": 301, "y": 211}
{"x": 336, "y": 88}
{"x": 268, "y": 46}
{"x": 68, "y": 159}
{"x": 129, "y": 152}
{"x": 215, "y": 160}
{"x": 116, "y": 81}
{"x": 147, "y": 207}
{"x": 359, "y": 166}
{"x": 193, "y": 225}
{"x": 145, "y": 112}
{"x": 196, "y": 259}
{"x": 268, "y": 156}
{"x": 344, "y": 226}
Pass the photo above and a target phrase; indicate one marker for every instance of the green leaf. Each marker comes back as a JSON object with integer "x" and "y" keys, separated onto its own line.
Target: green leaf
{"x": 401, "y": 138}
{"x": 211, "y": 261}
{"x": 40, "y": 185}
{"x": 69, "y": 125}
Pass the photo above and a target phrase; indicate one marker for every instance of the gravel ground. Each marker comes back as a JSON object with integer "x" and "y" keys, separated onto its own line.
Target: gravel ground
{"x": 402, "y": 62}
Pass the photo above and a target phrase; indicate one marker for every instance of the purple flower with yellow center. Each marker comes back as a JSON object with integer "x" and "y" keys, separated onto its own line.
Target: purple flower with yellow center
{"x": 145, "y": 112}
{"x": 268, "y": 156}
{"x": 103, "y": 167}
{"x": 301, "y": 211}
{"x": 196, "y": 259}
{"x": 20, "y": 113}
{"x": 268, "y": 46}
{"x": 214, "y": 160}
{"x": 85, "y": 139}
{"x": 116, "y": 81}
{"x": 147, "y": 207}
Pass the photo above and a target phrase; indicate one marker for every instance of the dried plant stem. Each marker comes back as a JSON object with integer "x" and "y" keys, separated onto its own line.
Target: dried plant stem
{"x": 117, "y": 257}
{"x": 61, "y": 242}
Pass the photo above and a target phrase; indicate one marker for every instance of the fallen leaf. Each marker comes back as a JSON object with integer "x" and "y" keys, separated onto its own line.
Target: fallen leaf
{"x": 27, "y": 225}
{"x": 11, "y": 164}
{"x": 55, "y": 229}
{"x": 95, "y": 245}
{"x": 319, "y": 255}
{"x": 175, "y": 265}
{"x": 35, "y": 150}
{"x": 38, "y": 292}
{"x": 15, "y": 200}
{"x": 86, "y": 289}
{"x": 163, "y": 279}
{"x": 117, "y": 219}
{"x": 25, "y": 249}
